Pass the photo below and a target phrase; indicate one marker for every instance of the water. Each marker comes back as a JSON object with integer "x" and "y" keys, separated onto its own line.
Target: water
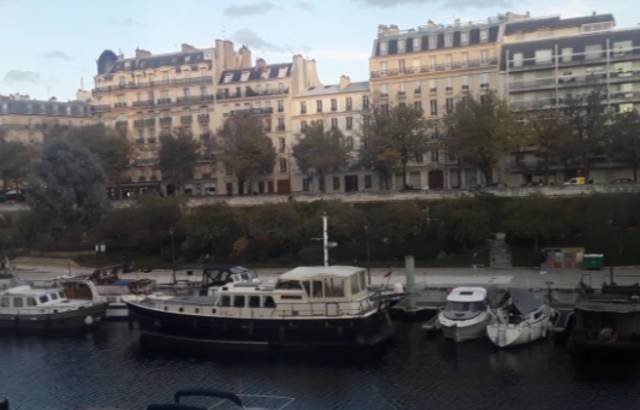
{"x": 108, "y": 368}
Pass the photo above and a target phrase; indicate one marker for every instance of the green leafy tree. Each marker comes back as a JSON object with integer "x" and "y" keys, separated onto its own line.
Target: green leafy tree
{"x": 247, "y": 150}
{"x": 588, "y": 118}
{"x": 177, "y": 158}
{"x": 68, "y": 185}
{"x": 547, "y": 132}
{"x": 536, "y": 218}
{"x": 211, "y": 229}
{"x": 482, "y": 132}
{"x": 320, "y": 152}
{"x": 624, "y": 140}
{"x": 467, "y": 223}
{"x": 15, "y": 162}
{"x": 394, "y": 136}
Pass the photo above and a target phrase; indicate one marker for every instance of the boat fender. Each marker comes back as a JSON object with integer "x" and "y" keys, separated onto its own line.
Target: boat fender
{"x": 88, "y": 320}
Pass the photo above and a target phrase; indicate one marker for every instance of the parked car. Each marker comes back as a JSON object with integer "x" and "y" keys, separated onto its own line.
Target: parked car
{"x": 622, "y": 181}
{"x": 575, "y": 181}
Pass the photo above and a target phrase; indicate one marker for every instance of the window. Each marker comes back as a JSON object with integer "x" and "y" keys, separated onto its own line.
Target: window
{"x": 186, "y": 92}
{"x": 245, "y": 75}
{"x": 303, "y": 107}
{"x": 417, "y": 105}
{"x": 434, "y": 107}
{"x": 267, "y": 124}
{"x": 355, "y": 285}
{"x": 543, "y": 56}
{"x": 282, "y": 72}
{"x": 384, "y": 90}
{"x": 334, "y": 123}
{"x": 282, "y": 144}
{"x": 18, "y": 302}
{"x": 484, "y": 56}
{"x": 32, "y": 301}
{"x": 449, "y": 105}
{"x": 517, "y": 60}
{"x": 566, "y": 54}
{"x": 464, "y": 37}
{"x": 484, "y": 35}
{"x": 336, "y": 183}
{"x": 317, "y": 289}
{"x": 280, "y": 106}
{"x": 334, "y": 104}
{"x": 288, "y": 284}
{"x": 435, "y": 156}
{"x": 402, "y": 90}
{"x": 384, "y": 108}
{"x": 365, "y": 102}
{"x": 368, "y": 182}
{"x": 349, "y": 141}
{"x": 306, "y": 184}
{"x": 349, "y": 123}
{"x": 281, "y": 126}
{"x": 433, "y": 42}
{"x": 465, "y": 82}
{"x": 401, "y": 66}
{"x": 303, "y": 125}
{"x": 449, "y": 86}
{"x": 254, "y": 301}
{"x": 484, "y": 80}
{"x": 433, "y": 86}
{"x": 383, "y": 48}
{"x": 283, "y": 166}
{"x": 401, "y": 46}
{"x": 621, "y": 48}
{"x": 448, "y": 39}
{"x": 238, "y": 301}
{"x": 417, "y": 87}
{"x": 593, "y": 52}
{"x": 269, "y": 303}
{"x": 419, "y": 157}
{"x": 383, "y": 67}
{"x": 43, "y": 299}
{"x": 417, "y": 44}
{"x": 4, "y": 302}
{"x": 349, "y": 104}
{"x": 333, "y": 287}
{"x": 318, "y": 105}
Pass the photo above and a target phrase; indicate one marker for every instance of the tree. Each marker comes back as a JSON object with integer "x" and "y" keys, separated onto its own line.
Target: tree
{"x": 393, "y": 136}
{"x": 211, "y": 229}
{"x": 548, "y": 132}
{"x": 177, "y": 158}
{"x": 112, "y": 149}
{"x": 15, "y": 162}
{"x": 624, "y": 140}
{"x": 587, "y": 117}
{"x": 481, "y": 132}
{"x": 248, "y": 151}
{"x": 320, "y": 152}
{"x": 68, "y": 185}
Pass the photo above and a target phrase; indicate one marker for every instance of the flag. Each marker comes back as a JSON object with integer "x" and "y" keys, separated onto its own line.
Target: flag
{"x": 388, "y": 274}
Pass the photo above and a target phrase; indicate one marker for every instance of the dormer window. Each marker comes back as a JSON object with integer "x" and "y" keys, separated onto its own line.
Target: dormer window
{"x": 417, "y": 44}
{"x": 282, "y": 72}
{"x": 265, "y": 73}
{"x": 383, "y": 48}
{"x": 484, "y": 35}
{"x": 244, "y": 76}
{"x": 187, "y": 59}
{"x": 464, "y": 37}
{"x": 448, "y": 40}
{"x": 227, "y": 78}
{"x": 401, "y": 46}
{"x": 433, "y": 42}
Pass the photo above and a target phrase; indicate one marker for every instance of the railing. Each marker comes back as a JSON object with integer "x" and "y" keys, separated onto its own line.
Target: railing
{"x": 144, "y": 103}
{"x": 138, "y": 123}
{"x": 102, "y": 108}
{"x": 121, "y": 124}
{"x": 436, "y": 67}
{"x": 150, "y": 122}
{"x": 588, "y": 57}
{"x": 186, "y": 119}
{"x": 203, "y": 118}
{"x": 133, "y": 85}
{"x": 164, "y": 101}
{"x": 165, "y": 121}
{"x": 195, "y": 99}
{"x": 251, "y": 93}
{"x": 120, "y": 105}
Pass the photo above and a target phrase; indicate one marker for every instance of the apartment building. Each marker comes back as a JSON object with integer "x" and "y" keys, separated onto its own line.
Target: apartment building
{"x": 266, "y": 90}
{"x": 29, "y": 121}
{"x": 546, "y": 62}
{"x": 339, "y": 106}
{"x": 148, "y": 95}
{"x": 431, "y": 67}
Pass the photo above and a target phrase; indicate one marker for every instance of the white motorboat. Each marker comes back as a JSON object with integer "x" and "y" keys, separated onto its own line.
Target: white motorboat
{"x": 522, "y": 318}
{"x": 466, "y": 314}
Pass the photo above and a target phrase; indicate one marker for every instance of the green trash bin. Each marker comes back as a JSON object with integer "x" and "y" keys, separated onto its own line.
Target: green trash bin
{"x": 593, "y": 261}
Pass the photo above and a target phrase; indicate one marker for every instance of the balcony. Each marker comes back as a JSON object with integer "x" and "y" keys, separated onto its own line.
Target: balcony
{"x": 186, "y": 120}
{"x": 138, "y": 123}
{"x": 148, "y": 84}
{"x": 203, "y": 119}
{"x": 101, "y": 108}
{"x": 164, "y": 101}
{"x": 120, "y": 105}
{"x": 165, "y": 121}
{"x": 249, "y": 93}
{"x": 253, "y": 111}
{"x": 453, "y": 66}
{"x": 151, "y": 140}
{"x": 280, "y": 127}
{"x": 150, "y": 122}
{"x": 200, "y": 99}
{"x": 144, "y": 103}
{"x": 402, "y": 94}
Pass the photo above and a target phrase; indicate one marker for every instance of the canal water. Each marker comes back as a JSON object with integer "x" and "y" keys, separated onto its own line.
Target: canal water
{"x": 109, "y": 368}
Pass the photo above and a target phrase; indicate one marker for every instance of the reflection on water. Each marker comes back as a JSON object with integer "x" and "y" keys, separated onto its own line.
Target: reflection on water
{"x": 109, "y": 368}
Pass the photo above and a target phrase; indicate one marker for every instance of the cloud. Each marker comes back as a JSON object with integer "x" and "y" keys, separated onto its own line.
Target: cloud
{"x": 468, "y": 4}
{"x": 249, "y": 9}
{"x": 21, "y": 76}
{"x": 390, "y": 3}
{"x": 251, "y": 39}
{"x": 126, "y": 22}
{"x": 56, "y": 55}
{"x": 305, "y": 6}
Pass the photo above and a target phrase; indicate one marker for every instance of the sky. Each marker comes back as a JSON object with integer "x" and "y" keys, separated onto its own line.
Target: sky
{"x": 48, "y": 47}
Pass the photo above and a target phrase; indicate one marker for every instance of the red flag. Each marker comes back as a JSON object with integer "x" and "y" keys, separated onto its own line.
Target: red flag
{"x": 388, "y": 274}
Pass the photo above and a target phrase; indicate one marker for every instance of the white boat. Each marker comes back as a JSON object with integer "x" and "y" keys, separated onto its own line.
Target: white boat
{"x": 466, "y": 314}
{"x": 522, "y": 318}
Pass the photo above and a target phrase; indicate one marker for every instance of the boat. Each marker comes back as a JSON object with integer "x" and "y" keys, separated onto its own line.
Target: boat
{"x": 521, "y": 318}
{"x": 607, "y": 321}
{"x": 224, "y": 399}
{"x": 465, "y": 315}
{"x": 26, "y": 307}
{"x": 306, "y": 306}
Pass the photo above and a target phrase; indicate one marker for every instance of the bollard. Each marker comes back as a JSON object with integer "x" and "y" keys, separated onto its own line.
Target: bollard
{"x": 410, "y": 272}
{"x": 4, "y": 403}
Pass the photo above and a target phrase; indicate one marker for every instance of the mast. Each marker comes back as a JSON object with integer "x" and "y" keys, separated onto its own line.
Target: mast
{"x": 325, "y": 239}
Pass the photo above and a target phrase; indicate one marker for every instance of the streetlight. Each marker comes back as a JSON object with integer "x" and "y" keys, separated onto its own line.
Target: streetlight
{"x": 172, "y": 231}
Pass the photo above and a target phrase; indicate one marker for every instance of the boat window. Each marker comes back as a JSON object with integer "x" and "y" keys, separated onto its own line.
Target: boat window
{"x": 61, "y": 295}
{"x": 53, "y": 296}
{"x": 307, "y": 287}
{"x": 269, "y": 303}
{"x": 317, "y": 289}
{"x": 254, "y": 301}
{"x": 18, "y": 302}
{"x": 4, "y": 302}
{"x": 238, "y": 301}
{"x": 288, "y": 284}
{"x": 537, "y": 315}
{"x": 31, "y": 302}
{"x": 225, "y": 300}
{"x": 43, "y": 299}
{"x": 355, "y": 285}
{"x": 333, "y": 287}
{"x": 466, "y": 306}
{"x": 363, "y": 280}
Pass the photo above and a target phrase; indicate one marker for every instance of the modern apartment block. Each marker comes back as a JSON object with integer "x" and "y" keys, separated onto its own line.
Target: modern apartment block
{"x": 339, "y": 106}
{"x": 29, "y": 121}
{"x": 431, "y": 67}
{"x": 549, "y": 61}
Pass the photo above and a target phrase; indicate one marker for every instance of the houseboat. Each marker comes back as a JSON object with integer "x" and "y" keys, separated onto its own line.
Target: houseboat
{"x": 25, "y": 307}
{"x": 606, "y": 322}
{"x": 521, "y": 318}
{"x": 307, "y": 306}
{"x": 466, "y": 314}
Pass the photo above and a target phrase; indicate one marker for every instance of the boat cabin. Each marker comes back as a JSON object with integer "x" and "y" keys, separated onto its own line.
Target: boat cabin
{"x": 467, "y": 299}
{"x": 26, "y": 296}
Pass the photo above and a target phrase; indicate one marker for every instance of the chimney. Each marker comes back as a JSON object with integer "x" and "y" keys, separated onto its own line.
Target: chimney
{"x": 140, "y": 53}
{"x": 260, "y": 63}
{"x": 245, "y": 57}
{"x": 229, "y": 55}
{"x": 185, "y": 48}
{"x": 344, "y": 81}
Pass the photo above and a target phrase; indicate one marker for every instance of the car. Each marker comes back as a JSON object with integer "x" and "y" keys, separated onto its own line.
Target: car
{"x": 618, "y": 181}
{"x": 575, "y": 181}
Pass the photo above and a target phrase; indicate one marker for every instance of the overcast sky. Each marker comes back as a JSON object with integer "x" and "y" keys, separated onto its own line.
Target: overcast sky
{"x": 48, "y": 46}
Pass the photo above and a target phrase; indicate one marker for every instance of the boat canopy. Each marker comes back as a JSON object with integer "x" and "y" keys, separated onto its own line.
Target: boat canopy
{"x": 524, "y": 301}
{"x": 315, "y": 272}
{"x": 467, "y": 294}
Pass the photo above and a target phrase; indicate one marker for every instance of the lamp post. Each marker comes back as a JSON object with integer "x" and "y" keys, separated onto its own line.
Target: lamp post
{"x": 172, "y": 231}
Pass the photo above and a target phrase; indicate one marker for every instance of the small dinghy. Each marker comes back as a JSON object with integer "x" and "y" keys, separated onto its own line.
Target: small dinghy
{"x": 521, "y": 318}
